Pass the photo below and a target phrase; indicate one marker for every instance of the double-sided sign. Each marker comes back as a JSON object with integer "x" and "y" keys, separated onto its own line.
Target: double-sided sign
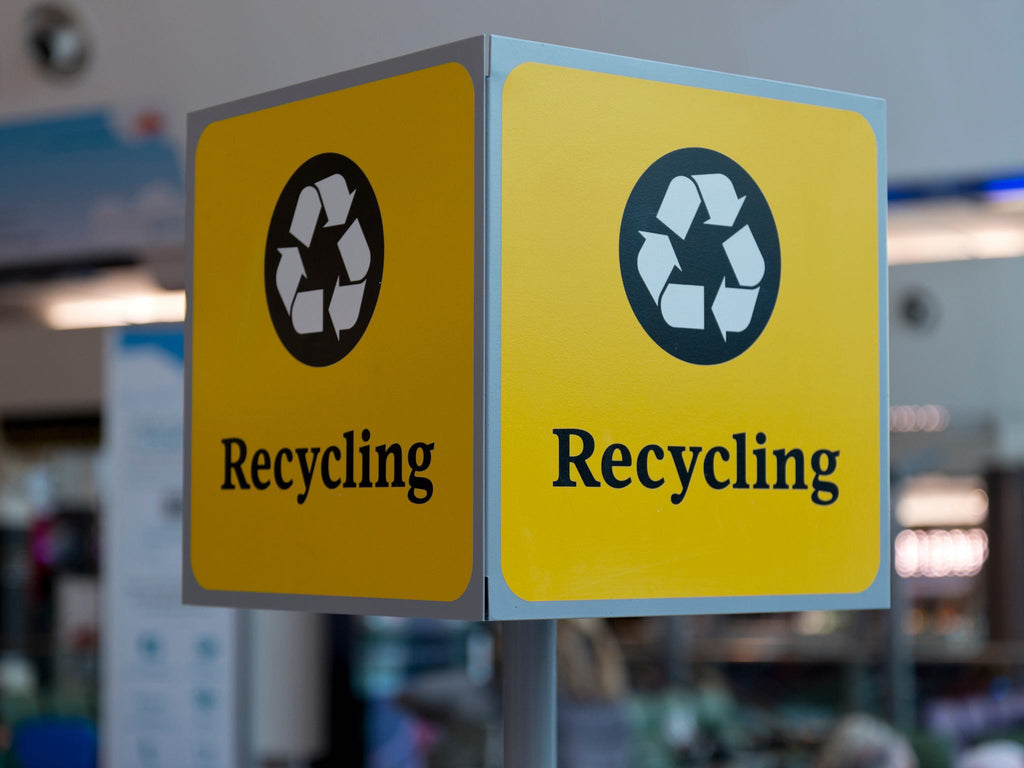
{"x": 504, "y": 330}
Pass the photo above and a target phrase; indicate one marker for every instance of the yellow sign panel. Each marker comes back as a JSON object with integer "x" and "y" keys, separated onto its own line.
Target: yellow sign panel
{"x": 689, "y": 341}
{"x": 332, "y": 312}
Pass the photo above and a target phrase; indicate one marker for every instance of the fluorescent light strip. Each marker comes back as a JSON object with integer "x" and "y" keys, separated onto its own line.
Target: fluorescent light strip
{"x": 942, "y": 507}
{"x": 937, "y": 553}
{"x": 923, "y": 245}
{"x": 130, "y": 309}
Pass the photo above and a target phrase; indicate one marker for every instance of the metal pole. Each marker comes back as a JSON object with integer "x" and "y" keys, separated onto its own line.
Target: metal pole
{"x": 900, "y": 649}
{"x": 529, "y": 693}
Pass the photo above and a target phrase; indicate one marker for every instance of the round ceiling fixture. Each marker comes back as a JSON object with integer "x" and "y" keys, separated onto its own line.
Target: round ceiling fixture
{"x": 56, "y": 40}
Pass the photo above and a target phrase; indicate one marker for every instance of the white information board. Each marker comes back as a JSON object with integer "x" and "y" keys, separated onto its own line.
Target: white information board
{"x": 170, "y": 673}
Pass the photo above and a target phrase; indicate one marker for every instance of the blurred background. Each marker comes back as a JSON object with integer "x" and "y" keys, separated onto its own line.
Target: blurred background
{"x": 94, "y": 646}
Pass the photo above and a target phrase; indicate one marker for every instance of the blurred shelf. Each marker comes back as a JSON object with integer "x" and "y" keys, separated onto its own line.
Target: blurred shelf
{"x": 791, "y": 649}
{"x": 846, "y": 649}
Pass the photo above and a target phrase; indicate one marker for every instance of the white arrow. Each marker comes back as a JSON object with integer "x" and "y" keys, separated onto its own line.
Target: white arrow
{"x": 355, "y": 252}
{"x": 346, "y": 301}
{"x": 289, "y": 272}
{"x": 720, "y": 198}
{"x": 682, "y": 306}
{"x": 745, "y": 257}
{"x": 307, "y": 211}
{"x": 656, "y": 260}
{"x": 679, "y": 205}
{"x": 733, "y": 308}
{"x": 336, "y": 197}
{"x": 308, "y": 311}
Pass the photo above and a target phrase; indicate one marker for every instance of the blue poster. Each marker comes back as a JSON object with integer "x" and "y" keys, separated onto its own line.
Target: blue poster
{"x": 87, "y": 186}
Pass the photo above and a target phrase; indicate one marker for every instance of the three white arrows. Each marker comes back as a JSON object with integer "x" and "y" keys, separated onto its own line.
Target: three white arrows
{"x": 306, "y": 308}
{"x": 682, "y": 305}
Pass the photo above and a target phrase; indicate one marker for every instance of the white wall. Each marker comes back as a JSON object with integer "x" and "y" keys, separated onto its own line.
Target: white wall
{"x": 952, "y": 71}
{"x": 969, "y": 359}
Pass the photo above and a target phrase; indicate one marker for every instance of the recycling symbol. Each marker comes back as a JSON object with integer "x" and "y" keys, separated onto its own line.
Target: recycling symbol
{"x": 324, "y": 259}
{"x": 699, "y": 256}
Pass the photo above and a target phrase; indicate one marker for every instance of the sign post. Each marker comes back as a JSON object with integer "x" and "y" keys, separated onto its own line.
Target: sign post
{"x": 529, "y": 693}
{"x": 507, "y": 331}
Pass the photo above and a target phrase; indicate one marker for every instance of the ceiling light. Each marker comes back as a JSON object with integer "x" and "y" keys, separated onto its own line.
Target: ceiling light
{"x": 942, "y": 501}
{"x": 918, "y": 418}
{"x": 129, "y": 309}
{"x": 56, "y": 40}
{"x": 986, "y": 226}
{"x": 940, "y": 554}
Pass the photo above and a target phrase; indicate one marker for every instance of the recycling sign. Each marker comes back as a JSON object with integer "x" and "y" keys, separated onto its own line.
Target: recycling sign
{"x": 699, "y": 253}
{"x": 582, "y": 386}
{"x": 324, "y": 259}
